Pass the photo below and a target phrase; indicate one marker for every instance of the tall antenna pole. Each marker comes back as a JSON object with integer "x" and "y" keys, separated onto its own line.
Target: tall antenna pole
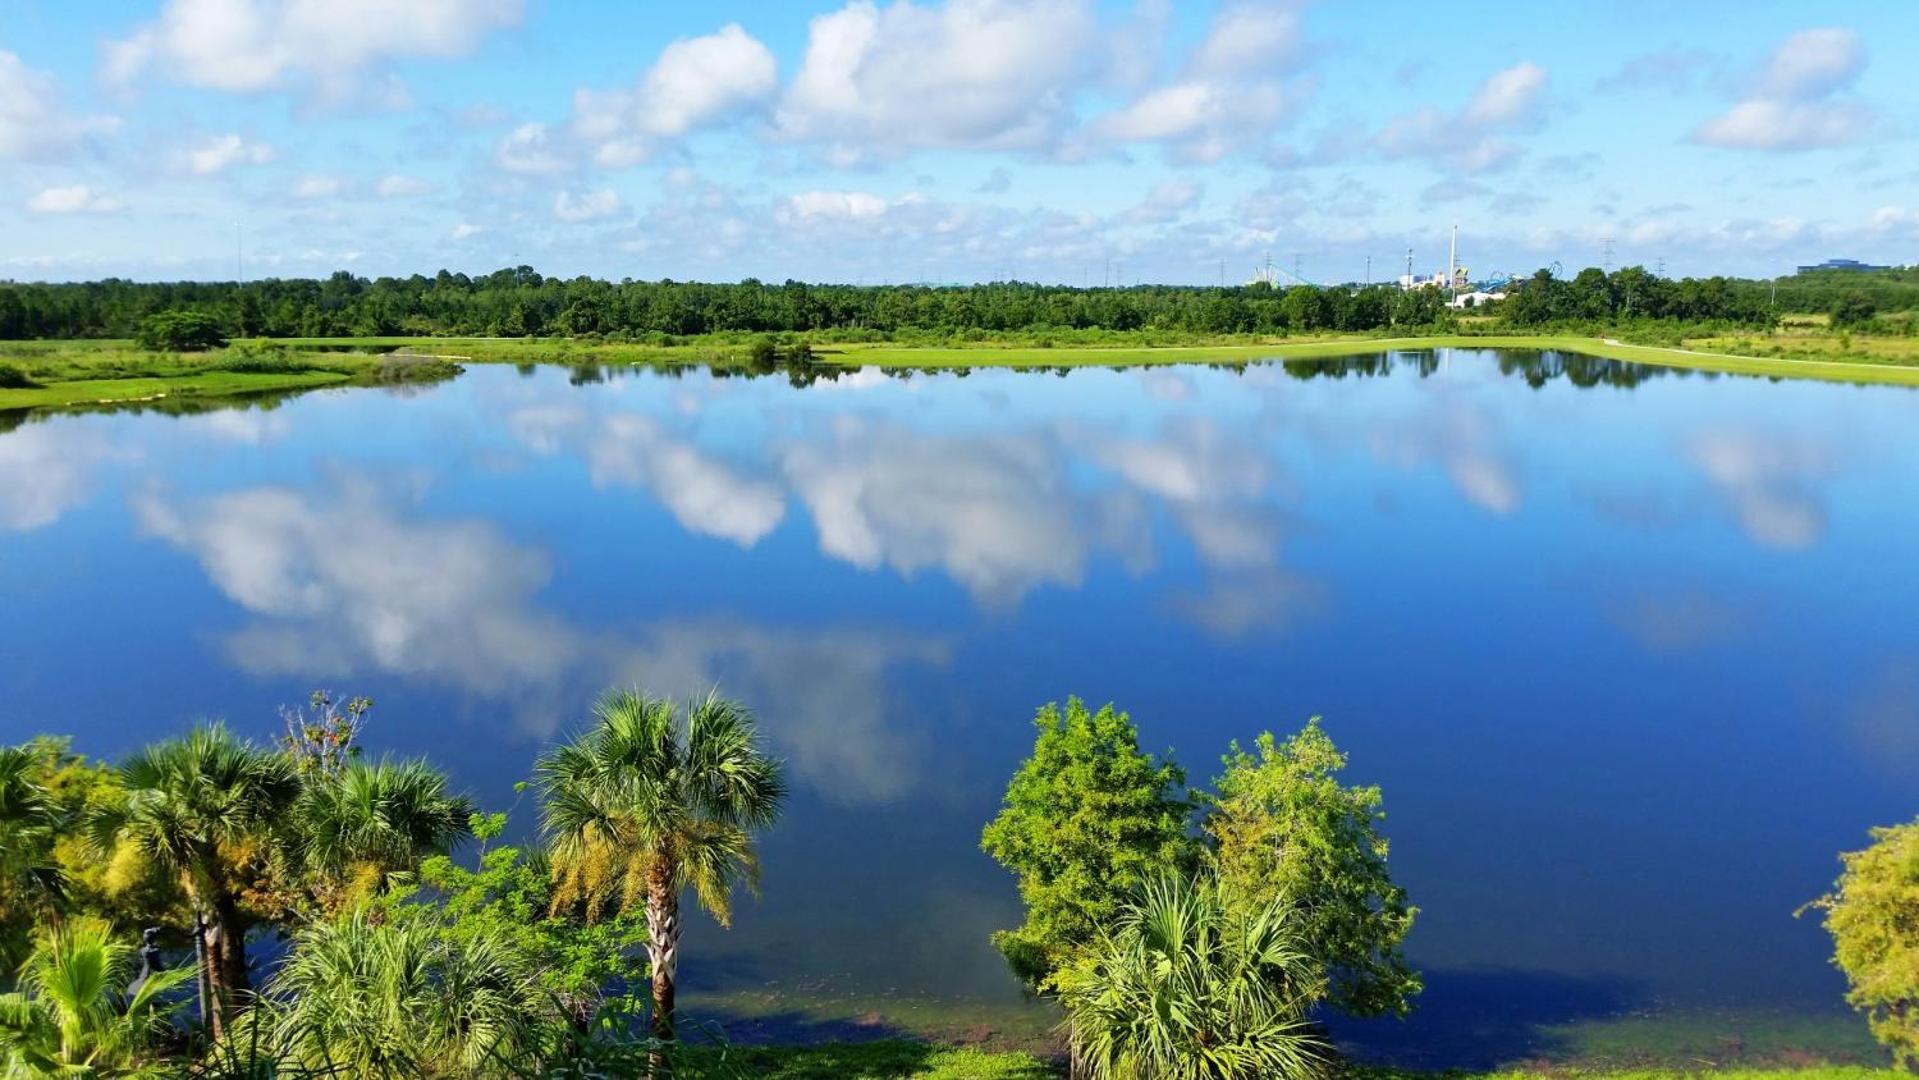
{"x": 1369, "y": 269}
{"x": 1409, "y": 269}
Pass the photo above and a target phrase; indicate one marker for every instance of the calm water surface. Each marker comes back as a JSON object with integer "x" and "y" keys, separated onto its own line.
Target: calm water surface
{"x": 1631, "y": 663}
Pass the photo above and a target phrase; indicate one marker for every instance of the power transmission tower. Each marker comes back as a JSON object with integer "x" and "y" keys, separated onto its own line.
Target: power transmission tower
{"x": 1605, "y": 248}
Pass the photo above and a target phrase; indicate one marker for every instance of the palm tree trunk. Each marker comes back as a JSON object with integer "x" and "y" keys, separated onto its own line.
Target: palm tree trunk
{"x": 225, "y": 965}
{"x": 663, "y": 942}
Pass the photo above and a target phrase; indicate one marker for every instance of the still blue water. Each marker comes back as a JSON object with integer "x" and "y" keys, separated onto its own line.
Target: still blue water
{"x": 1631, "y": 664}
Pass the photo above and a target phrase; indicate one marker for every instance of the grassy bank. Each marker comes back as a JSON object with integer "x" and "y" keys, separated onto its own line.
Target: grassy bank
{"x": 890, "y": 1059}
{"x": 76, "y": 373}
{"x": 60, "y": 374}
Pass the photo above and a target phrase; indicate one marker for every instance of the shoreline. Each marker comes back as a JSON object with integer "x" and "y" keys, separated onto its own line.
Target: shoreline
{"x": 207, "y": 382}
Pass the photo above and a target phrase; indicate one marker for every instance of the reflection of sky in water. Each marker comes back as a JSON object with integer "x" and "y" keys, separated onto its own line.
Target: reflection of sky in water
{"x": 1631, "y": 665}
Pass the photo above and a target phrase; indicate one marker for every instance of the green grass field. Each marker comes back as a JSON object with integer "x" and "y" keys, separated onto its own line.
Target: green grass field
{"x": 897, "y": 1059}
{"x": 88, "y": 373}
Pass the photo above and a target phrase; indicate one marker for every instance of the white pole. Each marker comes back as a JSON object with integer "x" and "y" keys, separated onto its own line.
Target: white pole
{"x": 1452, "y": 264}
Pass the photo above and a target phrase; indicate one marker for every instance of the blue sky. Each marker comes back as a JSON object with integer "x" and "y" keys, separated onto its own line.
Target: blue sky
{"x": 950, "y": 140}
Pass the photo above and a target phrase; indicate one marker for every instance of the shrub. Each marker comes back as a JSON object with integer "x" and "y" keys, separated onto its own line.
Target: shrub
{"x": 12, "y": 378}
{"x": 180, "y": 331}
{"x": 1873, "y": 916}
{"x": 1853, "y": 309}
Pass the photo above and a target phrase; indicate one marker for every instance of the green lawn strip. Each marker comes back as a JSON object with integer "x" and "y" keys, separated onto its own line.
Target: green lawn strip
{"x": 91, "y": 372}
{"x": 988, "y": 356}
{"x": 211, "y": 384}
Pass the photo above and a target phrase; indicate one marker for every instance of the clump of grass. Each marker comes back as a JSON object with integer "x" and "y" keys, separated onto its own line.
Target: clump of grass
{"x": 12, "y": 378}
{"x": 401, "y": 368}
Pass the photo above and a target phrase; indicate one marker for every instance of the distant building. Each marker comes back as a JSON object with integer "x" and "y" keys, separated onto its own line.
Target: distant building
{"x": 1850, "y": 265}
{"x": 1475, "y": 299}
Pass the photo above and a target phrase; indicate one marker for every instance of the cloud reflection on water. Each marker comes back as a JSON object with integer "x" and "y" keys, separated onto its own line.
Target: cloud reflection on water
{"x": 1771, "y": 484}
{"x": 47, "y": 470}
{"x": 350, "y": 582}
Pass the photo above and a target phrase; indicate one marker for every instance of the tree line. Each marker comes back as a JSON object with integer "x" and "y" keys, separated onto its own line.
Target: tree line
{"x": 519, "y": 301}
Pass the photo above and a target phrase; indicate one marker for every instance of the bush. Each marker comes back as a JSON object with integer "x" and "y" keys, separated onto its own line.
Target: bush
{"x": 180, "y": 331}
{"x": 12, "y": 378}
{"x": 1853, "y": 309}
{"x": 1873, "y": 916}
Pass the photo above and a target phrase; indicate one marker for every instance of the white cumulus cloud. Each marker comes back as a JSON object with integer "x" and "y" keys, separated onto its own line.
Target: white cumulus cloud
{"x": 32, "y": 122}
{"x": 318, "y": 187}
{"x": 403, "y": 187}
{"x": 78, "y": 199}
{"x": 695, "y": 82}
{"x": 1228, "y": 92}
{"x": 221, "y": 152}
{"x": 1471, "y": 140}
{"x": 587, "y": 206}
{"x": 831, "y": 206}
{"x": 255, "y": 45}
{"x": 1796, "y": 102}
{"x": 965, "y": 74}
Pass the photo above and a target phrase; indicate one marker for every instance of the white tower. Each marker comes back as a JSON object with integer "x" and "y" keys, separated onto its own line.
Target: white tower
{"x": 1452, "y": 264}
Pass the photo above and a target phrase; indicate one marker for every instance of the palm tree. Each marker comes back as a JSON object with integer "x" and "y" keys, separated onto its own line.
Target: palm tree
{"x": 31, "y": 882}
{"x": 69, "y": 1015}
{"x": 361, "y": 825}
{"x": 208, "y": 807}
{"x": 1188, "y": 986}
{"x": 649, "y": 802}
{"x": 403, "y": 999}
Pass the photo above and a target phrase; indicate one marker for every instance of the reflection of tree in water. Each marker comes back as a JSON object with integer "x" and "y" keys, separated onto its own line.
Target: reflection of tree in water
{"x": 12, "y": 419}
{"x": 1537, "y": 366}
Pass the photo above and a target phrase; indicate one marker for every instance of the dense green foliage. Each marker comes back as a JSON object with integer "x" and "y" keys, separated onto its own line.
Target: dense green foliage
{"x": 519, "y": 301}
{"x": 71, "y": 1014}
{"x": 1873, "y": 915}
{"x": 403, "y": 999}
{"x": 1853, "y": 309}
{"x": 207, "y": 807}
{"x": 655, "y": 799}
{"x": 1088, "y": 820}
{"x": 180, "y": 331}
{"x": 1593, "y": 295}
{"x": 1187, "y": 984}
{"x": 1283, "y": 827}
{"x": 509, "y": 894}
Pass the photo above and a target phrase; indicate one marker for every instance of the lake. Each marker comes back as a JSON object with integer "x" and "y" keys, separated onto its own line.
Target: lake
{"x": 1630, "y": 651}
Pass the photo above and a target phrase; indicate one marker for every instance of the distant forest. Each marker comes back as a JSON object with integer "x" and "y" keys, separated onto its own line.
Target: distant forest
{"x": 519, "y": 301}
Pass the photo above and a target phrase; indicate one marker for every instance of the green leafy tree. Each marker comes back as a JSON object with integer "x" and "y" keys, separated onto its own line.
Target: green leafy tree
{"x": 1281, "y": 825}
{"x": 71, "y": 1016}
{"x": 1087, "y": 821}
{"x": 49, "y": 866}
{"x": 180, "y": 331}
{"x": 651, "y": 801}
{"x": 1873, "y": 916}
{"x": 509, "y": 894}
{"x": 1853, "y": 309}
{"x": 210, "y": 808}
{"x": 1189, "y": 986}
